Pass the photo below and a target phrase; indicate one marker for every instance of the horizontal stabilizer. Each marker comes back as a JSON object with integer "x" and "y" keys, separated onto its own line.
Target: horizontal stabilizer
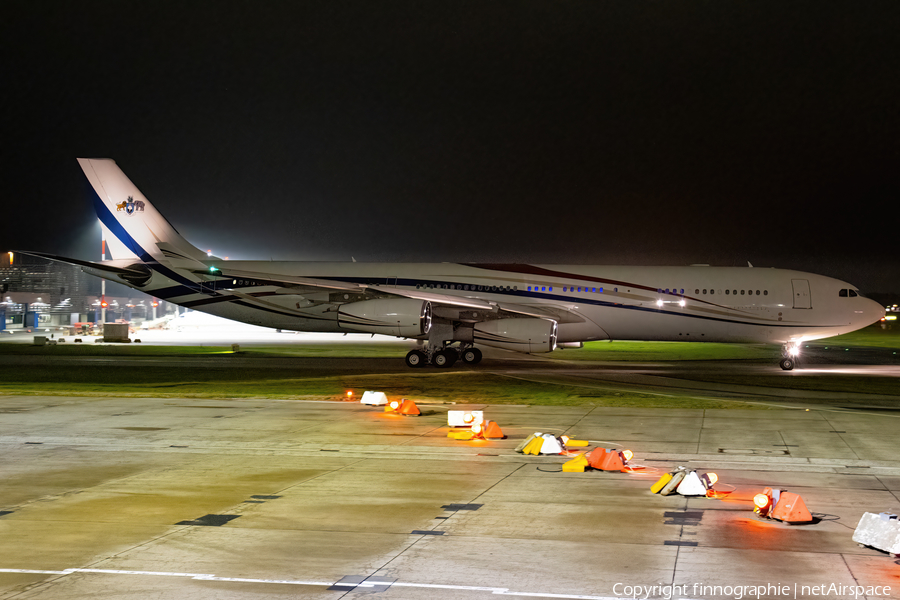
{"x": 128, "y": 271}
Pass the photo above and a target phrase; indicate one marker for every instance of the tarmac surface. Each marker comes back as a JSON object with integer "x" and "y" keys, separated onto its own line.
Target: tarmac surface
{"x": 187, "y": 498}
{"x": 261, "y": 498}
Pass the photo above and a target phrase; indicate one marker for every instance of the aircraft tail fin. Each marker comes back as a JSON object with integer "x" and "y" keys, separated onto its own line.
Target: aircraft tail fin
{"x": 133, "y": 224}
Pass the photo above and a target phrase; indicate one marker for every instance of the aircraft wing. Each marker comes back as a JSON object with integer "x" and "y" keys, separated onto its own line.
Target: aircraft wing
{"x": 291, "y": 283}
{"x": 555, "y": 313}
{"x": 271, "y": 279}
{"x": 442, "y": 299}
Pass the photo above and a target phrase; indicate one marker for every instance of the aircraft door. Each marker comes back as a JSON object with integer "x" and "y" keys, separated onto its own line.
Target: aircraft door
{"x": 801, "y": 293}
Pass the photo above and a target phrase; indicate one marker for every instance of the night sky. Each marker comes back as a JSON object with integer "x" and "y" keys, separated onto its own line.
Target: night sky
{"x": 559, "y": 131}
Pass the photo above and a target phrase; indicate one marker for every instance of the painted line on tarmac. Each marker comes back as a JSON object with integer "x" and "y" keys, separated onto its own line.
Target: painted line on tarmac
{"x": 350, "y": 586}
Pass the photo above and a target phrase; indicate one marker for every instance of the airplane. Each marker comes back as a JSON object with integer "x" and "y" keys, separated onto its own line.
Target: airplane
{"x": 452, "y": 308}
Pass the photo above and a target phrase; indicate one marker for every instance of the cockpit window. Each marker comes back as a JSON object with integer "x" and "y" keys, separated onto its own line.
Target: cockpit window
{"x": 844, "y": 293}
{"x": 853, "y": 293}
{"x": 849, "y": 293}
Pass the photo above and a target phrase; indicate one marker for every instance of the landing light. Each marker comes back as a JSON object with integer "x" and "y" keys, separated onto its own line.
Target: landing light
{"x": 682, "y": 303}
{"x": 659, "y": 303}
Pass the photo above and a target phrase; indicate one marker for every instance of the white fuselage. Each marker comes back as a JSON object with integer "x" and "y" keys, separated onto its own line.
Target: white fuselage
{"x": 713, "y": 304}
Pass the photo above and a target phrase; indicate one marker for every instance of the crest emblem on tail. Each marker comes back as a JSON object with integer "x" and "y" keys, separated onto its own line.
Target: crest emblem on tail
{"x": 130, "y": 206}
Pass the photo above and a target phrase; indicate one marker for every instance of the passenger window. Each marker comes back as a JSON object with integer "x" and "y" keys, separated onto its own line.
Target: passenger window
{"x": 543, "y": 289}
{"x": 726, "y": 292}
{"x": 765, "y": 292}
{"x": 696, "y": 291}
{"x": 757, "y": 292}
{"x": 742, "y": 292}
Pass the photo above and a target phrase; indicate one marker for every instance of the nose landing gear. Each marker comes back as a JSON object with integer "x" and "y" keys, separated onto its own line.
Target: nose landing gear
{"x": 790, "y": 354}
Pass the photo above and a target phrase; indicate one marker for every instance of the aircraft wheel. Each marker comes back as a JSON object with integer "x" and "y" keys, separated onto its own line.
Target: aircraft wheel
{"x": 444, "y": 358}
{"x": 787, "y": 364}
{"x": 415, "y": 359}
{"x": 471, "y": 356}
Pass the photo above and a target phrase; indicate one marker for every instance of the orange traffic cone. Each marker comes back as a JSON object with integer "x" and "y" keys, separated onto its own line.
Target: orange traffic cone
{"x": 492, "y": 431}
{"x": 594, "y": 457}
{"x": 409, "y": 408}
{"x": 611, "y": 461}
{"x": 791, "y": 509}
{"x": 605, "y": 460}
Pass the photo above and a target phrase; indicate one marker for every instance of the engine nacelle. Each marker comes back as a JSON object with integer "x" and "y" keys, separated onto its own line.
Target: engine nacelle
{"x": 521, "y": 335}
{"x": 402, "y": 317}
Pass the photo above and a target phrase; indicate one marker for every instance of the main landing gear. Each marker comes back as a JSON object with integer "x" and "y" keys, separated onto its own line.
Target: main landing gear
{"x": 790, "y": 356}
{"x": 443, "y": 357}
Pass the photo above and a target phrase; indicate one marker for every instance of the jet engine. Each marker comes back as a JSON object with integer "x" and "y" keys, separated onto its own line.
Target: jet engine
{"x": 521, "y": 335}
{"x": 402, "y": 317}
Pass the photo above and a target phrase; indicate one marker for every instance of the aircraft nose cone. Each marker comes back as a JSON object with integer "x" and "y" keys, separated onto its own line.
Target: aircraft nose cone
{"x": 872, "y": 312}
